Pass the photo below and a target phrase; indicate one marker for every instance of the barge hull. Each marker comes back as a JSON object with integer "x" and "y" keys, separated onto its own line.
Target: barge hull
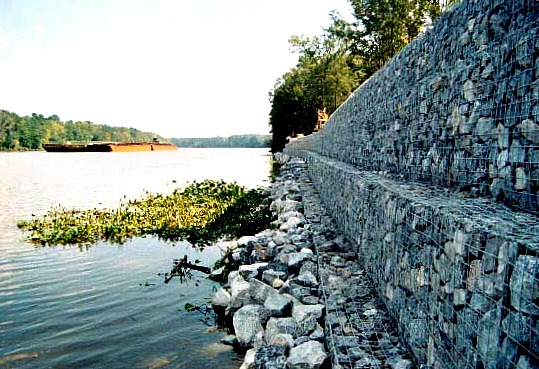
{"x": 109, "y": 147}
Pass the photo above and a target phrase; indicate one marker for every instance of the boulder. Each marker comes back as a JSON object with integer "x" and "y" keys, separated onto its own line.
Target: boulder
{"x": 220, "y": 300}
{"x": 307, "y": 279}
{"x": 281, "y": 325}
{"x": 239, "y": 291}
{"x": 278, "y": 305}
{"x": 282, "y": 339}
{"x": 295, "y": 259}
{"x": 525, "y": 284}
{"x": 309, "y": 355}
{"x": 249, "y": 360}
{"x": 259, "y": 291}
{"x": 247, "y": 322}
{"x": 269, "y": 276}
{"x": 251, "y": 270}
{"x": 271, "y": 357}
{"x": 301, "y": 312}
{"x": 318, "y": 334}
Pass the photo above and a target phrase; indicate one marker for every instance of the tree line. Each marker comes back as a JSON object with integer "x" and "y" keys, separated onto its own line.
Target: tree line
{"x": 251, "y": 141}
{"x": 30, "y": 132}
{"x": 332, "y": 65}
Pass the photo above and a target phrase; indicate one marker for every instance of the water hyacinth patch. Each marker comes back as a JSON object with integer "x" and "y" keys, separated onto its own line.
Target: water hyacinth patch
{"x": 200, "y": 213}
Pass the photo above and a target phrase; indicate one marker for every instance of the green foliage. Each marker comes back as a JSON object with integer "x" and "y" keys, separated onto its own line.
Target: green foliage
{"x": 254, "y": 141}
{"x": 201, "y": 213}
{"x": 323, "y": 78}
{"x": 334, "y": 64}
{"x": 29, "y": 133}
{"x": 383, "y": 27}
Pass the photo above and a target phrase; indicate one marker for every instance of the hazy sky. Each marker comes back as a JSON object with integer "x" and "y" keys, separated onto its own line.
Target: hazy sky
{"x": 180, "y": 68}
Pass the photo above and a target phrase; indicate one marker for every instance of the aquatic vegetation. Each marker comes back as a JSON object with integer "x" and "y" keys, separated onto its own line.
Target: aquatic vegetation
{"x": 201, "y": 213}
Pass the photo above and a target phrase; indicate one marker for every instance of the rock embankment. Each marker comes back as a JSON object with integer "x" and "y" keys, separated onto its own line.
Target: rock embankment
{"x": 300, "y": 299}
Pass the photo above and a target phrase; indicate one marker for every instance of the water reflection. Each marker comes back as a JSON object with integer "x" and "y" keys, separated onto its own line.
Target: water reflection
{"x": 106, "y": 306}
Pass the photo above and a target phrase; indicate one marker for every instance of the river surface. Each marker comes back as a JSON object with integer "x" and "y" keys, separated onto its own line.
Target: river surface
{"x": 106, "y": 306}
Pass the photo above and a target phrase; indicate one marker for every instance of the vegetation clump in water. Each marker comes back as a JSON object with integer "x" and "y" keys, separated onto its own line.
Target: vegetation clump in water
{"x": 201, "y": 213}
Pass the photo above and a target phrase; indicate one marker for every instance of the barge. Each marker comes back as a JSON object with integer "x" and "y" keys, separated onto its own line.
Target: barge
{"x": 109, "y": 147}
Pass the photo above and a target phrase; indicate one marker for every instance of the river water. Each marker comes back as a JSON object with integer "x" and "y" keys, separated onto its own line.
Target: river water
{"x": 106, "y": 306}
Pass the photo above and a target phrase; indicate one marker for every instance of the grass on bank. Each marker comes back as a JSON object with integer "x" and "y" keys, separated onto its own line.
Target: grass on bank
{"x": 201, "y": 213}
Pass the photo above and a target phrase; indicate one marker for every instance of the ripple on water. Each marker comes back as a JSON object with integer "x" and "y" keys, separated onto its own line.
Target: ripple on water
{"x": 68, "y": 308}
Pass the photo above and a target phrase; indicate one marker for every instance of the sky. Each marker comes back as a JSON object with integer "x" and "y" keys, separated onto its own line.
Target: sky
{"x": 179, "y": 68}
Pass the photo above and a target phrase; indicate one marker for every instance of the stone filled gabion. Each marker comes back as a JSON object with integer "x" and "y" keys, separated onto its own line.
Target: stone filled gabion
{"x": 458, "y": 111}
{"x": 458, "y": 107}
{"x": 277, "y": 298}
{"x": 459, "y": 275}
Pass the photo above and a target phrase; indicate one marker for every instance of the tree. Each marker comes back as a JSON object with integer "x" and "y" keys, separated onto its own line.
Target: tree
{"x": 31, "y": 132}
{"x": 383, "y": 27}
{"x": 323, "y": 78}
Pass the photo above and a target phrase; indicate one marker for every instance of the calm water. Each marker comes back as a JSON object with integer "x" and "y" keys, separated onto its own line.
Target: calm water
{"x": 106, "y": 306}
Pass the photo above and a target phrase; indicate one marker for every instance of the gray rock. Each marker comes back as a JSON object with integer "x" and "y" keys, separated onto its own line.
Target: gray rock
{"x": 251, "y": 270}
{"x": 239, "y": 291}
{"x": 524, "y": 363}
{"x": 260, "y": 340}
{"x": 302, "y": 312}
{"x": 280, "y": 238}
{"x": 291, "y": 223}
{"x": 518, "y": 327}
{"x": 300, "y": 292}
{"x": 468, "y": 89}
{"x": 282, "y": 339}
{"x": 488, "y": 339}
{"x": 318, "y": 334}
{"x": 281, "y": 325}
{"x": 278, "y": 305}
{"x": 283, "y": 217}
{"x": 503, "y": 136}
{"x": 271, "y": 357}
{"x": 525, "y": 284}
{"x": 260, "y": 291}
{"x": 480, "y": 302}
{"x": 485, "y": 128}
{"x": 307, "y": 279}
{"x": 294, "y": 260}
{"x": 516, "y": 152}
{"x": 521, "y": 179}
{"x": 398, "y": 362}
{"x": 330, "y": 246}
{"x": 338, "y": 262}
{"x": 530, "y": 130}
{"x": 249, "y": 360}
{"x": 232, "y": 276}
{"x": 269, "y": 276}
{"x": 309, "y": 355}
{"x": 307, "y": 326}
{"x": 221, "y": 299}
{"x": 509, "y": 357}
{"x": 247, "y": 322}
{"x": 301, "y": 340}
{"x": 283, "y": 206}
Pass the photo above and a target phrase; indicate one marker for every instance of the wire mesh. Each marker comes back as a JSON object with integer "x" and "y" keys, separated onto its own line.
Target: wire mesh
{"x": 459, "y": 275}
{"x": 457, "y": 108}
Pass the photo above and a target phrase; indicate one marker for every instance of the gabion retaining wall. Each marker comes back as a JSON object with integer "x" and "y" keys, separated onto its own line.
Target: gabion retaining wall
{"x": 457, "y": 108}
{"x": 459, "y": 275}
